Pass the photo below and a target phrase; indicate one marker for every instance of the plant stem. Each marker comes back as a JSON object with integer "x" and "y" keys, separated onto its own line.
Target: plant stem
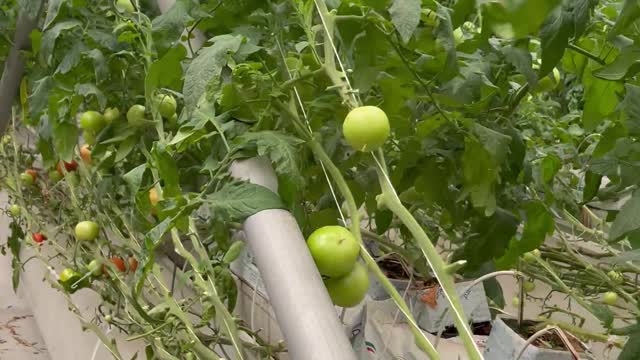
{"x": 586, "y": 53}
{"x": 393, "y": 203}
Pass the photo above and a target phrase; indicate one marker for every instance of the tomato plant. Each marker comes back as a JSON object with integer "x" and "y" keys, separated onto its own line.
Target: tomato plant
{"x": 459, "y": 136}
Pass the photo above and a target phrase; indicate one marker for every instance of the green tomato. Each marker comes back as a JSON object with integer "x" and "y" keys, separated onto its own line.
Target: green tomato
{"x": 135, "y": 115}
{"x": 515, "y": 301}
{"x": 55, "y": 176}
{"x": 458, "y": 36}
{"x": 111, "y": 115}
{"x": 349, "y": 290}
{"x": 536, "y": 253}
{"x": 27, "y": 179}
{"x": 87, "y": 230}
{"x": 610, "y": 298}
{"x": 549, "y": 82}
{"x": 529, "y": 257}
{"x": 429, "y": 17}
{"x": 166, "y": 105}
{"x": 529, "y": 286}
{"x": 172, "y": 122}
{"x": 92, "y": 121}
{"x": 616, "y": 277}
{"x": 14, "y": 210}
{"x": 125, "y": 6}
{"x": 95, "y": 267}
{"x": 68, "y": 274}
{"x": 334, "y": 250}
{"x": 366, "y": 128}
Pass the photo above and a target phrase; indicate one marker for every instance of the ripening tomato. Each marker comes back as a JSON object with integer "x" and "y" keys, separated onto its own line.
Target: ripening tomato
{"x": 133, "y": 264}
{"x": 349, "y": 290}
{"x": 85, "y": 154}
{"x": 119, "y": 263}
{"x": 38, "y": 237}
{"x": 366, "y": 128}
{"x": 154, "y": 198}
{"x": 29, "y": 177}
{"x": 334, "y": 250}
{"x": 68, "y": 166}
{"x": 87, "y": 230}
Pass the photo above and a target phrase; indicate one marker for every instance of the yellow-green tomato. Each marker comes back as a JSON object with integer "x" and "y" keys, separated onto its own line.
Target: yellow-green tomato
{"x": 529, "y": 286}
{"x": 616, "y": 277}
{"x": 349, "y": 290}
{"x": 14, "y": 210}
{"x": 610, "y": 298}
{"x": 124, "y": 6}
{"x": 135, "y": 115}
{"x": 549, "y": 82}
{"x": 166, "y": 105}
{"x": 111, "y": 115}
{"x": 334, "y": 250}
{"x": 87, "y": 230}
{"x": 92, "y": 121}
{"x": 95, "y": 267}
{"x": 366, "y": 128}
{"x": 429, "y": 17}
{"x": 67, "y": 275}
{"x": 515, "y": 301}
{"x": 458, "y": 36}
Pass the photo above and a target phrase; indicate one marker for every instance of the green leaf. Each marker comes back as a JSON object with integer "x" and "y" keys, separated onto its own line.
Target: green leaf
{"x": 489, "y": 238}
{"x": 628, "y": 218}
{"x": 405, "y": 16}
{"x": 629, "y": 14}
{"x": 539, "y": 224}
{"x": 461, "y": 10}
{"x": 631, "y": 109}
{"x": 14, "y": 241}
{"x": 125, "y": 148}
{"x": 496, "y": 143}
{"x": 444, "y": 32}
{"x": 527, "y": 15}
{"x": 549, "y": 167}
{"x": 52, "y": 12}
{"x": 520, "y": 58}
{"x": 65, "y": 139}
{"x": 603, "y": 313}
{"x": 554, "y": 38}
{"x": 50, "y": 36}
{"x": 39, "y": 97}
{"x": 283, "y": 150}
{"x": 592, "y": 183}
{"x": 237, "y": 201}
{"x": 168, "y": 27}
{"x": 631, "y": 350}
{"x": 601, "y": 100}
{"x": 206, "y": 67}
{"x": 168, "y": 171}
{"x": 133, "y": 179}
{"x": 166, "y": 71}
{"x": 608, "y": 140}
{"x": 86, "y": 90}
{"x": 100, "y": 66}
{"x": 479, "y": 175}
{"x": 625, "y": 66}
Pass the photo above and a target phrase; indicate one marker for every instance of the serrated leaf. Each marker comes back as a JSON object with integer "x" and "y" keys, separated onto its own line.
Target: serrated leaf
{"x": 167, "y": 170}
{"x": 461, "y": 10}
{"x": 444, "y": 32}
{"x": 283, "y": 151}
{"x": 603, "y": 313}
{"x": 206, "y": 67}
{"x": 600, "y": 101}
{"x": 168, "y": 27}
{"x": 554, "y": 38}
{"x": 86, "y": 90}
{"x": 627, "y": 16}
{"x": 479, "y": 176}
{"x": 50, "y": 36}
{"x": 592, "y": 183}
{"x": 489, "y": 238}
{"x": 405, "y": 16}
{"x": 39, "y": 97}
{"x": 237, "y": 201}
{"x": 65, "y": 139}
{"x": 125, "y": 148}
{"x": 133, "y": 179}
{"x": 166, "y": 71}
{"x": 71, "y": 59}
{"x": 631, "y": 350}
{"x": 496, "y": 143}
{"x": 628, "y": 218}
{"x": 100, "y": 67}
{"x": 520, "y": 58}
{"x": 539, "y": 224}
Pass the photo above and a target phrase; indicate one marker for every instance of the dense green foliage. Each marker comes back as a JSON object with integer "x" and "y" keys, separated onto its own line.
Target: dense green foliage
{"x": 511, "y": 121}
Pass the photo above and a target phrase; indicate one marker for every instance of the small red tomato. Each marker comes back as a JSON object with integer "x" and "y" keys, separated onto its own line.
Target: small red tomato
{"x": 119, "y": 263}
{"x": 69, "y": 166}
{"x": 133, "y": 264}
{"x": 33, "y": 173}
{"x": 38, "y": 237}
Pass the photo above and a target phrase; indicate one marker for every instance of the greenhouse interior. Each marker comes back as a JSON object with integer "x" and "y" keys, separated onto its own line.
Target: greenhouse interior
{"x": 319, "y": 179}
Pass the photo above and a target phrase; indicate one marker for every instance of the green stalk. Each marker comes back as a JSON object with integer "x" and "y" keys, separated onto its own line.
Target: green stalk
{"x": 392, "y": 202}
{"x": 421, "y": 340}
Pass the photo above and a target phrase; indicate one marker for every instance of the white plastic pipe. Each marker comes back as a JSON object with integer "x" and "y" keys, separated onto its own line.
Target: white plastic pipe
{"x": 306, "y": 316}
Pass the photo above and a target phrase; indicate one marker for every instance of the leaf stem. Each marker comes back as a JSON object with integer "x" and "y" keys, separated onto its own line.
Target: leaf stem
{"x": 586, "y": 53}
